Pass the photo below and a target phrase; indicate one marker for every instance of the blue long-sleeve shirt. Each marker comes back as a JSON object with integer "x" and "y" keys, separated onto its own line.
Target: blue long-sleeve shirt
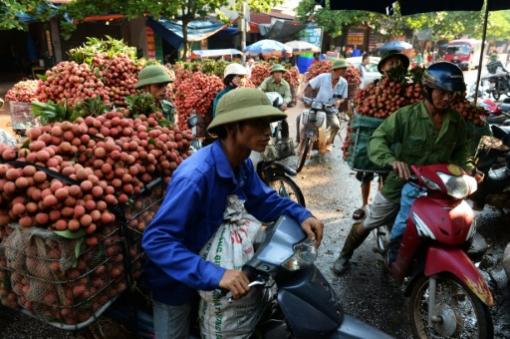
{"x": 191, "y": 213}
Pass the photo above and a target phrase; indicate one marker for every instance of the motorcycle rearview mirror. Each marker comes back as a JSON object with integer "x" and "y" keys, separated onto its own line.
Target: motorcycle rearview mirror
{"x": 192, "y": 121}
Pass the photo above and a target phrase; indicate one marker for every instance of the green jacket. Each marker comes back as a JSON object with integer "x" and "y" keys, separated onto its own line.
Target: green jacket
{"x": 409, "y": 135}
{"x": 268, "y": 85}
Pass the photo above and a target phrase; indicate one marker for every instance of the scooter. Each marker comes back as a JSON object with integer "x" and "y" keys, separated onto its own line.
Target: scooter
{"x": 493, "y": 159}
{"x": 304, "y": 305}
{"x": 448, "y": 295}
{"x": 313, "y": 129}
{"x": 499, "y": 80}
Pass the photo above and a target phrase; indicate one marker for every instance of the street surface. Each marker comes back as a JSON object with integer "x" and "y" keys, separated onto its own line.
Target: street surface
{"x": 367, "y": 292}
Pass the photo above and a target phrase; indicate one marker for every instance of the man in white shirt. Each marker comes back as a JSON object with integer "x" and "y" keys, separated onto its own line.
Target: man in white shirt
{"x": 332, "y": 89}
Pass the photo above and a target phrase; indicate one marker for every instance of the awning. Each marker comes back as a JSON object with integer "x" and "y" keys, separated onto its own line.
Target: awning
{"x": 198, "y": 30}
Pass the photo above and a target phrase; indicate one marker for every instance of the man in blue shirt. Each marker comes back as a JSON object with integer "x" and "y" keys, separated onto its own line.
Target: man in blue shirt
{"x": 193, "y": 209}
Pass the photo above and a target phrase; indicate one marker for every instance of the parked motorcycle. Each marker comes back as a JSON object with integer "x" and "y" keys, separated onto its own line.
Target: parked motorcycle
{"x": 493, "y": 159}
{"x": 304, "y": 305}
{"x": 448, "y": 295}
{"x": 314, "y": 131}
{"x": 499, "y": 80}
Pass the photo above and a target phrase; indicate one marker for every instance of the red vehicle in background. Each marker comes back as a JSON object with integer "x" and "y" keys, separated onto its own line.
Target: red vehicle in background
{"x": 464, "y": 52}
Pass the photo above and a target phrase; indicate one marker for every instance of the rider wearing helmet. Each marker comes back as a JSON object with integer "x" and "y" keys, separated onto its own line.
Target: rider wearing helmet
{"x": 276, "y": 83}
{"x": 232, "y": 78}
{"x": 428, "y": 132}
{"x": 153, "y": 79}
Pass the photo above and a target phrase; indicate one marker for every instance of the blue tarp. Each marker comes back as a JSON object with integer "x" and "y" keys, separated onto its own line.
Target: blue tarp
{"x": 207, "y": 53}
{"x": 51, "y": 8}
{"x": 171, "y": 31}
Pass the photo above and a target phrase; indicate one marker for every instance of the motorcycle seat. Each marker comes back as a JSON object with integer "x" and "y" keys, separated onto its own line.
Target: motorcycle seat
{"x": 499, "y": 174}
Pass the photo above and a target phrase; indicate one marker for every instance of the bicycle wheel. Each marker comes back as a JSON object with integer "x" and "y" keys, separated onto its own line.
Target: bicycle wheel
{"x": 286, "y": 187}
{"x": 304, "y": 149}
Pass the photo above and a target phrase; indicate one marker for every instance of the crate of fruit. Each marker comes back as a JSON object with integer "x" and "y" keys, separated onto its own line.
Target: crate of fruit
{"x": 139, "y": 212}
{"x": 360, "y": 130}
{"x": 62, "y": 279}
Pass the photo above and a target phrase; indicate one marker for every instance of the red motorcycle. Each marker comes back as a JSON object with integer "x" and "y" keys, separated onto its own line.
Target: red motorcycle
{"x": 448, "y": 295}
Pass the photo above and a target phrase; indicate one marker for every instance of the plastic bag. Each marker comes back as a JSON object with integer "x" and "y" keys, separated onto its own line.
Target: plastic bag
{"x": 231, "y": 248}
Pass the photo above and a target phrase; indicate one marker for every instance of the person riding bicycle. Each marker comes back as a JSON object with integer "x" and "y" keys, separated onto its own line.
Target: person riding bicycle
{"x": 233, "y": 77}
{"x": 154, "y": 79}
{"x": 276, "y": 83}
{"x": 428, "y": 132}
{"x": 332, "y": 89}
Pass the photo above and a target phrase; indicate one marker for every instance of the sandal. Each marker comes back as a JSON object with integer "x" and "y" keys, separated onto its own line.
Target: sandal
{"x": 359, "y": 214}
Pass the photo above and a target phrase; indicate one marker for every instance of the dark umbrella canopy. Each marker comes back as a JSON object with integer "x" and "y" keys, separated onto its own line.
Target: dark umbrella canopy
{"x": 408, "y": 7}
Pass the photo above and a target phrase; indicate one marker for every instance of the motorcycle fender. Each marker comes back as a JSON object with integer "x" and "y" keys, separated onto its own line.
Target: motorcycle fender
{"x": 353, "y": 328}
{"x": 456, "y": 262}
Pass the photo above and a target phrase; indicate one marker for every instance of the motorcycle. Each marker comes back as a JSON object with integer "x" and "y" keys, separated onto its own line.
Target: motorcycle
{"x": 448, "y": 295}
{"x": 304, "y": 305}
{"x": 499, "y": 81}
{"x": 493, "y": 159}
{"x": 313, "y": 129}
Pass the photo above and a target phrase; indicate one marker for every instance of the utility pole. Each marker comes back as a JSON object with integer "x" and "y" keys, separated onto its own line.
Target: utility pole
{"x": 244, "y": 25}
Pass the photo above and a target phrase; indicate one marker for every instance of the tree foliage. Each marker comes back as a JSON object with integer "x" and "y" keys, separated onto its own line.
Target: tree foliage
{"x": 185, "y": 10}
{"x": 10, "y": 9}
{"x": 444, "y": 25}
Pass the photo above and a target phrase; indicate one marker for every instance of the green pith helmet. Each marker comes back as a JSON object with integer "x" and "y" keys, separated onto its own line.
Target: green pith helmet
{"x": 277, "y": 68}
{"x": 151, "y": 75}
{"x": 339, "y": 63}
{"x": 244, "y": 104}
{"x": 393, "y": 54}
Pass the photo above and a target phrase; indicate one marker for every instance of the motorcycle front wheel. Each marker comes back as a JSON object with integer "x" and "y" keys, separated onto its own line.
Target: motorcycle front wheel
{"x": 461, "y": 314}
{"x": 304, "y": 148}
{"x": 286, "y": 187}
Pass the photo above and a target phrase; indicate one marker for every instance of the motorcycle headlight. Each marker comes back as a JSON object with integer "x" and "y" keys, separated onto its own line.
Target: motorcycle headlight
{"x": 458, "y": 187}
{"x": 304, "y": 255}
{"x": 316, "y": 105}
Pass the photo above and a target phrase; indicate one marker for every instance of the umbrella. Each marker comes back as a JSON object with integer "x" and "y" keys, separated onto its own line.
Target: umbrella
{"x": 267, "y": 47}
{"x": 396, "y": 45}
{"x": 408, "y": 7}
{"x": 302, "y": 46}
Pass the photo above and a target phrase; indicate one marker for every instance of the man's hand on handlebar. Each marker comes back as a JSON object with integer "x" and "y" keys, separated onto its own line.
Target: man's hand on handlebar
{"x": 236, "y": 282}
{"x": 314, "y": 229}
{"x": 402, "y": 169}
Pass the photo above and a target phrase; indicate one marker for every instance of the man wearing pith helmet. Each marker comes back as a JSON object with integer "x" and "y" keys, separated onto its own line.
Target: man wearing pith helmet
{"x": 153, "y": 79}
{"x": 276, "y": 83}
{"x": 194, "y": 204}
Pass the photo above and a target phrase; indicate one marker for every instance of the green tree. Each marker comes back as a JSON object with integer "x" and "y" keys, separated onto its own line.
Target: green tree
{"x": 9, "y": 9}
{"x": 185, "y": 11}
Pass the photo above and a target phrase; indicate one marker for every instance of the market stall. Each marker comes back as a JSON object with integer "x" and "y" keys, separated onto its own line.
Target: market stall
{"x": 77, "y": 192}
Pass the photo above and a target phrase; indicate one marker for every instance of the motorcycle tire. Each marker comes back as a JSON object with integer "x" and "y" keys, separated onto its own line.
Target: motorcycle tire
{"x": 293, "y": 192}
{"x": 303, "y": 154}
{"x": 420, "y": 292}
